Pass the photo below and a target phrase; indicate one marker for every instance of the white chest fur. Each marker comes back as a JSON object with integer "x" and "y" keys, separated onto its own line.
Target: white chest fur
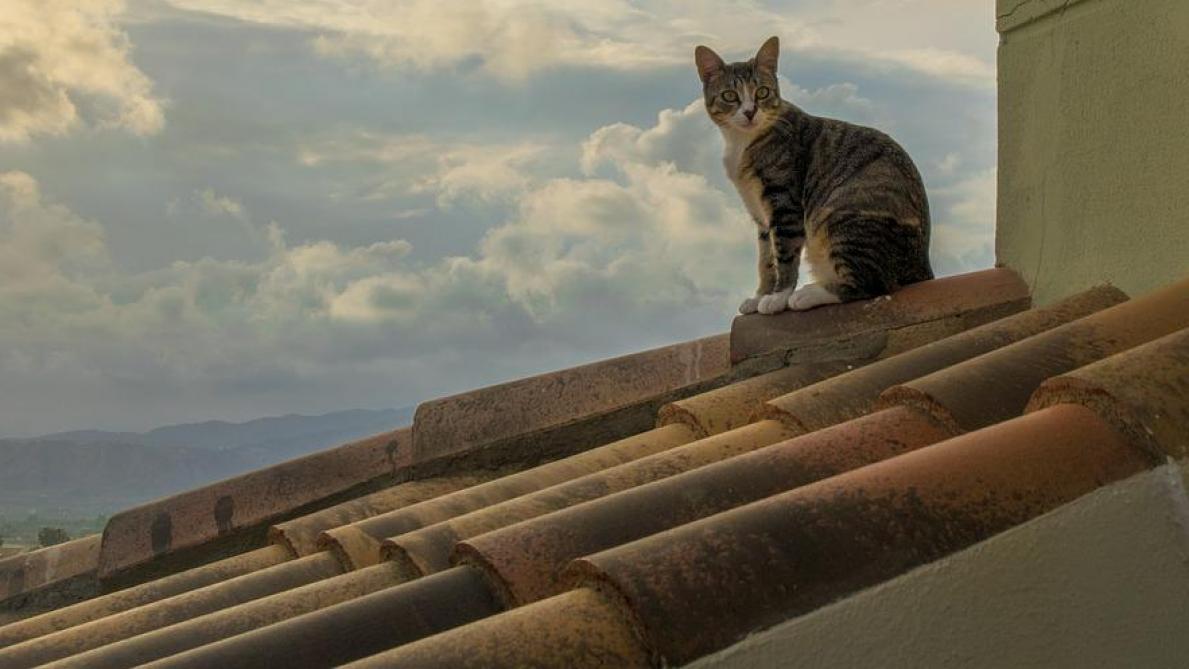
{"x": 746, "y": 182}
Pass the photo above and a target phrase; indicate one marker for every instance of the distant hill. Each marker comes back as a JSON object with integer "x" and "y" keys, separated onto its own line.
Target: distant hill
{"x": 93, "y": 472}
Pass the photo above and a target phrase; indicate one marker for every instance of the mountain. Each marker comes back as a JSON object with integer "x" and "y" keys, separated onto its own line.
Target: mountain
{"x": 95, "y": 472}
{"x": 64, "y": 478}
{"x": 291, "y": 434}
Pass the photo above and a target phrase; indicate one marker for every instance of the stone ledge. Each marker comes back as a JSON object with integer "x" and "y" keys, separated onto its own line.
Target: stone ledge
{"x": 953, "y": 303}
{"x": 241, "y": 503}
{"x": 24, "y": 573}
{"x": 490, "y": 415}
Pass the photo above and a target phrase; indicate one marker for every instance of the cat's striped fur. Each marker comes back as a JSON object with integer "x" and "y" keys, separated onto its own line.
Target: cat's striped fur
{"x": 849, "y": 196}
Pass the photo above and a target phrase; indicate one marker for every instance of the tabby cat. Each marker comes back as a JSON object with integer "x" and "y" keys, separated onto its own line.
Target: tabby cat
{"x": 848, "y": 195}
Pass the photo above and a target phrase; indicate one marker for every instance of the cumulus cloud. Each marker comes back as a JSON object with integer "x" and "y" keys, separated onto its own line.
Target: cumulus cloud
{"x": 686, "y": 138}
{"x": 649, "y": 243}
{"x": 220, "y": 205}
{"x": 839, "y": 100}
{"x": 661, "y": 239}
{"x": 453, "y": 171}
{"x": 480, "y": 173}
{"x": 66, "y": 62}
{"x": 644, "y": 231}
{"x": 964, "y": 227}
{"x": 514, "y": 39}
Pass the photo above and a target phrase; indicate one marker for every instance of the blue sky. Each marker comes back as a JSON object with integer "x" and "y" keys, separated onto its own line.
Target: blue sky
{"x": 228, "y": 209}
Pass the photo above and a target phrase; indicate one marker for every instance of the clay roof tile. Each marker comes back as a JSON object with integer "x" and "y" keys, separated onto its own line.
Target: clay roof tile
{"x": 525, "y": 560}
{"x": 855, "y": 393}
{"x": 705, "y": 585}
{"x": 1143, "y": 392}
{"x": 996, "y": 386}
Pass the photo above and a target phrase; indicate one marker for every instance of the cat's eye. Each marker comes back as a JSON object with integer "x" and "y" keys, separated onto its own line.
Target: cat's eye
{"x": 730, "y": 96}
{"x": 761, "y": 92}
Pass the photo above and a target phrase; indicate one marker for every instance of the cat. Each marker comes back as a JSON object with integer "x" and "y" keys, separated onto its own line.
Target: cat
{"x": 848, "y": 195}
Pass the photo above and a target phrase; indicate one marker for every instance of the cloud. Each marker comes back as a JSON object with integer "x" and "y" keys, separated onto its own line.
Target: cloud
{"x": 515, "y": 39}
{"x": 840, "y": 100}
{"x": 452, "y": 170}
{"x": 883, "y": 34}
{"x": 220, "y": 205}
{"x": 941, "y": 64}
{"x": 964, "y": 224}
{"x": 42, "y": 243}
{"x": 477, "y": 173}
{"x": 686, "y": 138}
{"x": 660, "y": 240}
{"x": 626, "y": 238}
{"x": 208, "y": 223}
{"x": 651, "y": 244}
{"x": 66, "y": 63}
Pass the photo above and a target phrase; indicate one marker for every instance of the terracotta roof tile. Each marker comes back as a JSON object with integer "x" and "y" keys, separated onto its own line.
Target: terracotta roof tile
{"x": 169, "y": 611}
{"x": 301, "y": 599}
{"x": 358, "y": 544}
{"x": 427, "y": 550}
{"x": 855, "y": 393}
{"x": 525, "y": 560}
{"x": 224, "y": 623}
{"x": 280, "y": 577}
{"x": 581, "y": 630}
{"x": 152, "y": 591}
{"x": 297, "y": 535}
{"x": 315, "y": 596}
{"x": 1143, "y": 392}
{"x": 300, "y": 535}
{"x": 543, "y": 417}
{"x": 733, "y": 406}
{"x": 705, "y": 585}
{"x": 620, "y": 403}
{"x": 353, "y": 629}
{"x": 996, "y": 386}
{"x": 862, "y": 329}
{"x": 673, "y": 536}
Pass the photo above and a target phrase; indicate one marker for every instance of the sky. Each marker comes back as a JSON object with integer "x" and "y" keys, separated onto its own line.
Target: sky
{"x": 230, "y": 208}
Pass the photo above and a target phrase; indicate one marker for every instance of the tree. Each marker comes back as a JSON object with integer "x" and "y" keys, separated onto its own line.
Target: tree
{"x": 49, "y": 536}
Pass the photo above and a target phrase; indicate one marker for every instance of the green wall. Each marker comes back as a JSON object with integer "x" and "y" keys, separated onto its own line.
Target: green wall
{"x": 1093, "y": 143}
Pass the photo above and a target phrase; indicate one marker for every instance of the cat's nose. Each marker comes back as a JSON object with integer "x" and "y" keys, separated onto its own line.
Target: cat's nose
{"x": 749, "y": 113}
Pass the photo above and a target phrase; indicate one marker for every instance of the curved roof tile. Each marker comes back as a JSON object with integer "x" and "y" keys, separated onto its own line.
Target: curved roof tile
{"x": 526, "y": 559}
{"x": 1143, "y": 392}
{"x": 855, "y": 393}
{"x": 427, "y": 550}
{"x": 996, "y": 386}
{"x": 705, "y": 585}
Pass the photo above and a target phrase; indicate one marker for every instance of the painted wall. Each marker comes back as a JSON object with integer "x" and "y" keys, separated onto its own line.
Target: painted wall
{"x": 1093, "y": 143}
{"x": 1101, "y": 582}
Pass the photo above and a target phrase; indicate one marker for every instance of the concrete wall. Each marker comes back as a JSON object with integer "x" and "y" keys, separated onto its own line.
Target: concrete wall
{"x": 1101, "y": 582}
{"x": 1093, "y": 143}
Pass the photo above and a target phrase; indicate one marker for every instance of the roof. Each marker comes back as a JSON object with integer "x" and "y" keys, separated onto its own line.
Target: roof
{"x": 655, "y": 508}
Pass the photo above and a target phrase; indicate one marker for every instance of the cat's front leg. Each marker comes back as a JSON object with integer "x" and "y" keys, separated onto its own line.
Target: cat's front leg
{"x": 766, "y": 268}
{"x": 788, "y": 236}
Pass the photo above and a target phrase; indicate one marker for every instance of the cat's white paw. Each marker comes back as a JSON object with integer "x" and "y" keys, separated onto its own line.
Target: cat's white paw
{"x": 750, "y": 305}
{"x": 810, "y": 296}
{"x": 775, "y": 303}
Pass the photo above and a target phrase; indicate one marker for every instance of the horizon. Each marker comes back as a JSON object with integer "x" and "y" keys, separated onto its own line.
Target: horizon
{"x": 212, "y": 210}
{"x": 199, "y": 423}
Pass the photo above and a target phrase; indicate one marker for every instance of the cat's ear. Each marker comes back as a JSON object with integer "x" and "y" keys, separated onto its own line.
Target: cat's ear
{"x": 708, "y": 62}
{"x": 768, "y": 54}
